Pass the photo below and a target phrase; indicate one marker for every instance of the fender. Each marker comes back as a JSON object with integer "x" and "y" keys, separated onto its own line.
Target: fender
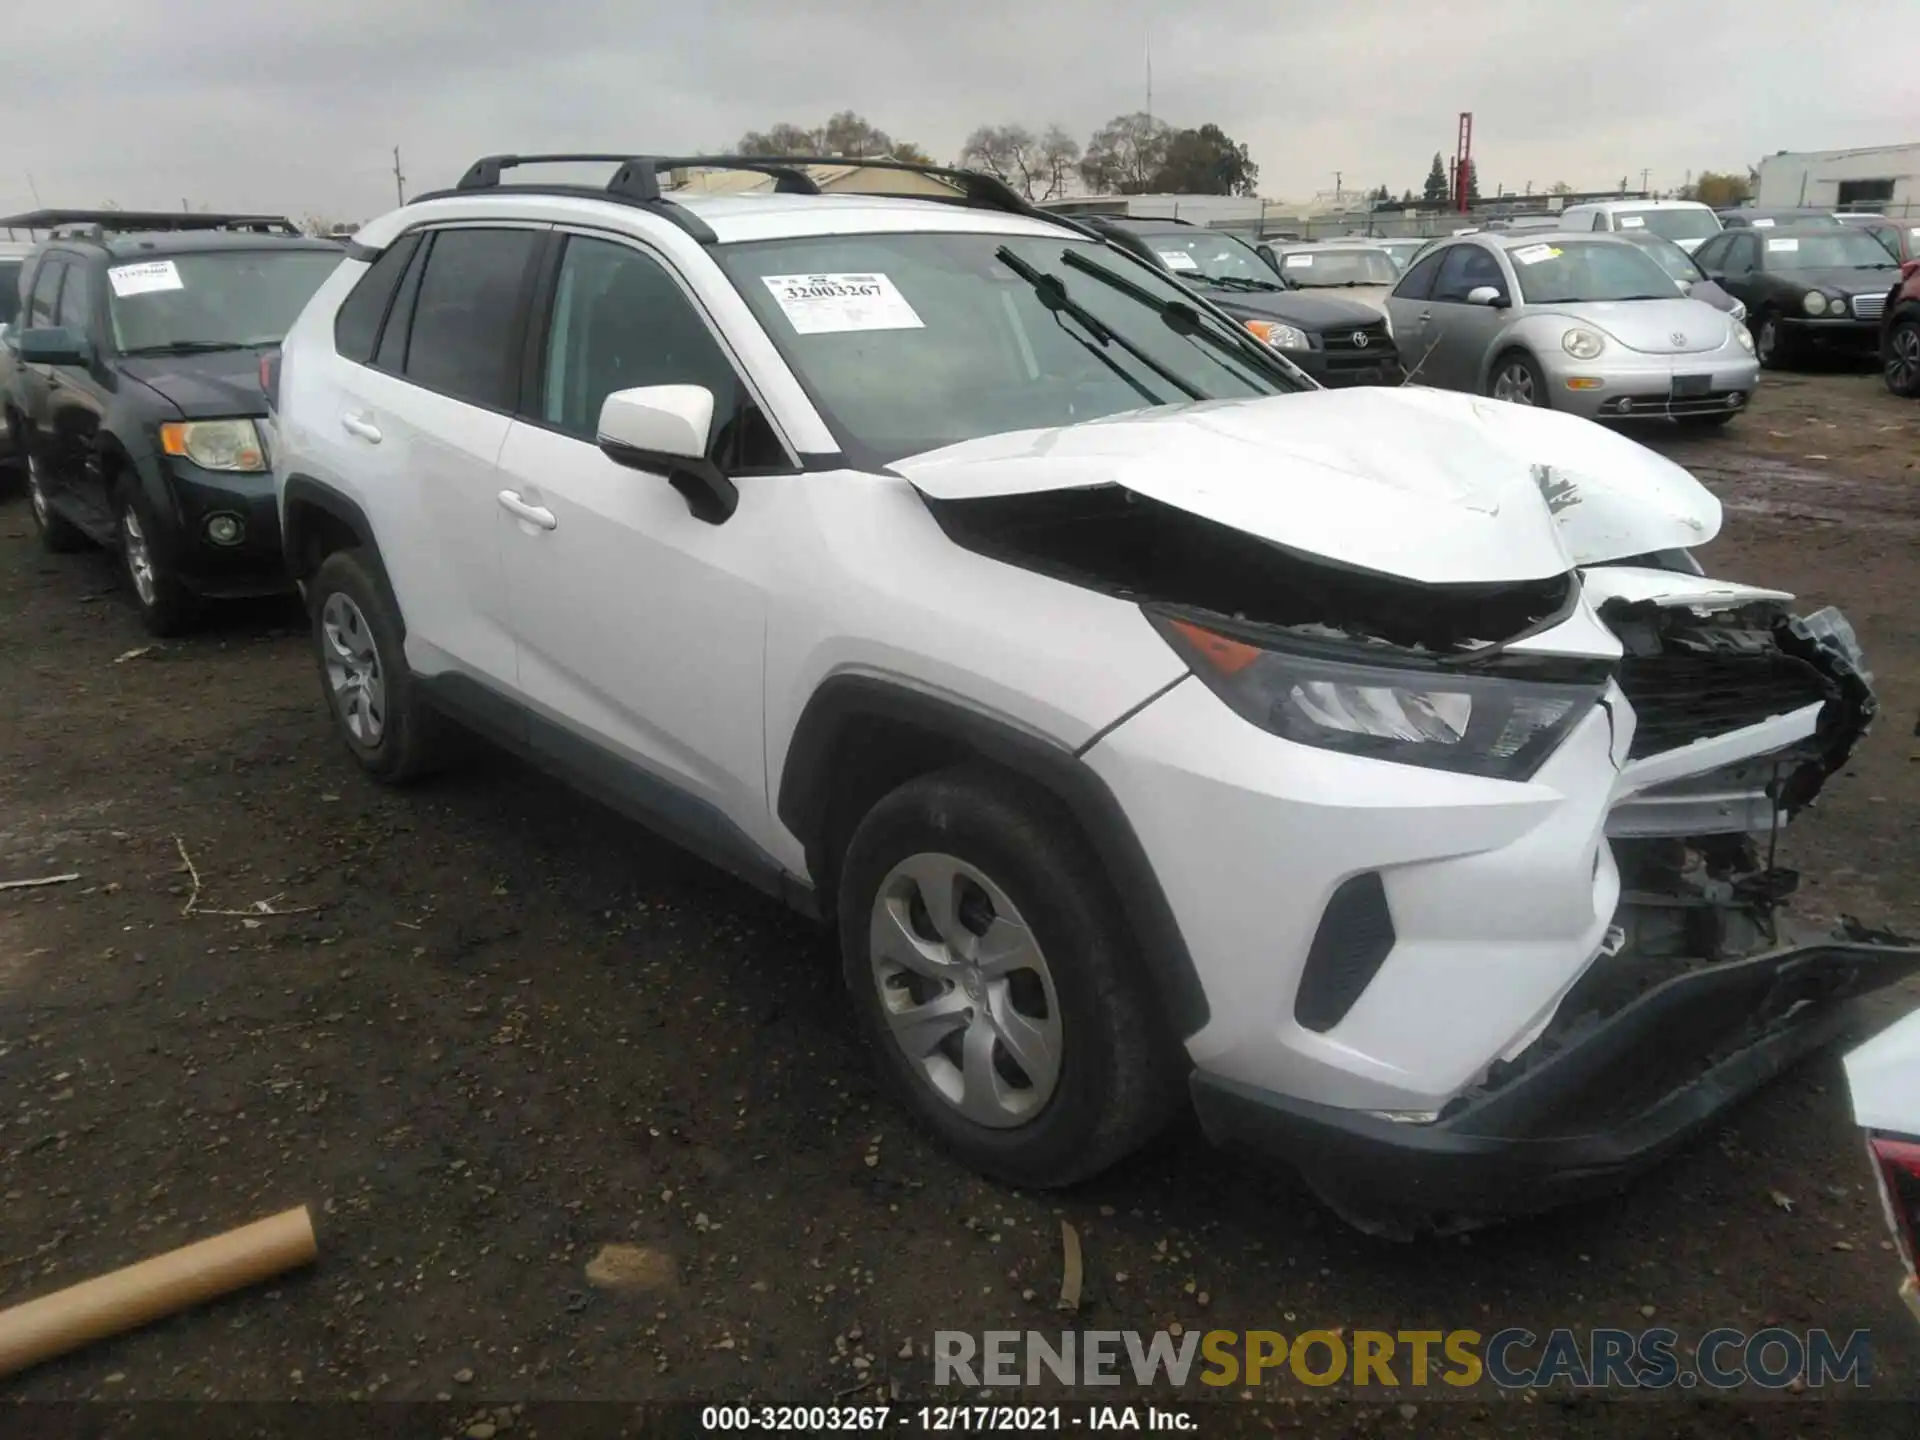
{"x": 301, "y": 491}
{"x": 812, "y": 777}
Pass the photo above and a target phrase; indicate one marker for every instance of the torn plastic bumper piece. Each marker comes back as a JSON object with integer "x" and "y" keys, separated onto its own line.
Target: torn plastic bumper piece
{"x": 1586, "y": 1111}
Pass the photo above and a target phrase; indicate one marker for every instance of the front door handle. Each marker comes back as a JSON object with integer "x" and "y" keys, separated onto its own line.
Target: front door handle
{"x": 532, "y": 514}
{"x": 365, "y": 429}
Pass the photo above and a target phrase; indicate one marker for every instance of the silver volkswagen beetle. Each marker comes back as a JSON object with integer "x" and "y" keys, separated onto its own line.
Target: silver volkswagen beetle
{"x": 1586, "y": 323}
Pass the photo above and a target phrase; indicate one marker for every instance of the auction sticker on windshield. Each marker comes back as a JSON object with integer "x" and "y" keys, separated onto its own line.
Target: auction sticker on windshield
{"x": 1534, "y": 254}
{"x": 144, "y": 278}
{"x": 1299, "y": 262}
{"x": 1633, "y": 222}
{"x": 1179, "y": 260}
{"x": 835, "y": 304}
{"x": 1783, "y": 242}
{"x": 1764, "y": 223}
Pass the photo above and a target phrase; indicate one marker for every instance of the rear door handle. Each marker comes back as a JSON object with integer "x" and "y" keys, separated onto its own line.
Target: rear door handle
{"x": 365, "y": 429}
{"x": 532, "y": 514}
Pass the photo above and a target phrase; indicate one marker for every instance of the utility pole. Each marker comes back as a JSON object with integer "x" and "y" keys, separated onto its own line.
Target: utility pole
{"x": 1147, "y": 33}
{"x": 399, "y": 180}
{"x": 1643, "y": 180}
{"x": 1336, "y": 187}
{"x": 34, "y": 188}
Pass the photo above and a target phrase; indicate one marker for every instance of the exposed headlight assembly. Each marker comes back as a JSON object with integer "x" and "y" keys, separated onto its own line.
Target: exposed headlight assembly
{"x": 1582, "y": 343}
{"x": 1742, "y": 336}
{"x": 1280, "y": 336}
{"x": 216, "y": 444}
{"x": 1815, "y": 303}
{"x": 1492, "y": 722}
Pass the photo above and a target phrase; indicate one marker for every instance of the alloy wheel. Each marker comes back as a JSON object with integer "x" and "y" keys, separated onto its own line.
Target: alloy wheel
{"x": 965, "y": 990}
{"x": 1767, "y": 341}
{"x": 133, "y": 543}
{"x": 1903, "y": 364}
{"x": 354, "y": 674}
{"x": 1514, "y": 384}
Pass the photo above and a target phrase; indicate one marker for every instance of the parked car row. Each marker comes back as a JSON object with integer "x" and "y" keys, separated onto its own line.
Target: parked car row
{"x": 130, "y": 386}
{"x": 1153, "y": 725}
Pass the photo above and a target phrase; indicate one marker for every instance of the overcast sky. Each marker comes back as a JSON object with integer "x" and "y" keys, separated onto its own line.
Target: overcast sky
{"x": 293, "y": 106}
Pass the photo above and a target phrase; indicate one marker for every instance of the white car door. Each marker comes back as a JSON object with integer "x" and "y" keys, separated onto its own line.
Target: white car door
{"x": 641, "y": 627}
{"x": 434, "y": 408}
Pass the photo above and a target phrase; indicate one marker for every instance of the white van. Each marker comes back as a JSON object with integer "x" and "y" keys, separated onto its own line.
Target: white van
{"x": 1685, "y": 222}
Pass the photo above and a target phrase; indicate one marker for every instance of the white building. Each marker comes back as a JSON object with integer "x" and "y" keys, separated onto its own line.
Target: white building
{"x": 1882, "y": 177}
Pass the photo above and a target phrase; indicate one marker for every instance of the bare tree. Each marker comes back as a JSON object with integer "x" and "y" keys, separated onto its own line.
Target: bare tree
{"x": 1124, "y": 154}
{"x": 781, "y": 139}
{"x": 1058, "y": 155}
{"x": 1006, "y": 152}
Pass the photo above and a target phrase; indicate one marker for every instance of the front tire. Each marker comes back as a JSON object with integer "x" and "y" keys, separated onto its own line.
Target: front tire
{"x": 1518, "y": 381}
{"x": 990, "y": 970}
{"x": 1903, "y": 358}
{"x": 166, "y": 607}
{"x": 1773, "y": 343}
{"x": 376, "y": 703}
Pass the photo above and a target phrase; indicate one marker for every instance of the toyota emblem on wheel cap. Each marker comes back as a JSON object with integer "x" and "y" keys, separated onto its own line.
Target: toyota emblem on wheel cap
{"x": 1360, "y": 341}
{"x": 1677, "y": 338}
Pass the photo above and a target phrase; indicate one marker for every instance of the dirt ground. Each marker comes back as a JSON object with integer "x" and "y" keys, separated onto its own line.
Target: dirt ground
{"x": 497, "y": 1027}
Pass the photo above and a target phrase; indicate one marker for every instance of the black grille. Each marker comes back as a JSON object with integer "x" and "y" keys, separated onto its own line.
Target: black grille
{"x": 1340, "y": 343}
{"x": 1678, "y": 699}
{"x": 1353, "y": 941}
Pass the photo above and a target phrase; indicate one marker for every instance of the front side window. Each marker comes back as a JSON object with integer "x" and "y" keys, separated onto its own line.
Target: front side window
{"x": 464, "y": 340}
{"x": 9, "y": 291}
{"x": 909, "y": 342}
{"x": 46, "y": 289}
{"x": 1841, "y": 248}
{"x": 1467, "y": 268}
{"x": 1417, "y": 284}
{"x": 620, "y": 321}
{"x": 1332, "y": 269}
{"x": 1569, "y": 272}
{"x": 75, "y": 311}
{"x": 212, "y": 299}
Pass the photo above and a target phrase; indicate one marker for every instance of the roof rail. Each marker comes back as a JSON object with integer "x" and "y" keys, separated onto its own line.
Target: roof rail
{"x": 96, "y": 223}
{"x": 636, "y": 182}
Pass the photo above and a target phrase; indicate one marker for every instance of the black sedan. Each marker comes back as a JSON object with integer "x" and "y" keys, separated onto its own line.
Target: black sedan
{"x": 1804, "y": 287}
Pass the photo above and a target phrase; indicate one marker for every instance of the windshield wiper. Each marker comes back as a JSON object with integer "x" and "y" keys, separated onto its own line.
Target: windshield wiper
{"x": 1183, "y": 318}
{"x": 185, "y": 347}
{"x": 1243, "y": 282}
{"x": 1052, "y": 291}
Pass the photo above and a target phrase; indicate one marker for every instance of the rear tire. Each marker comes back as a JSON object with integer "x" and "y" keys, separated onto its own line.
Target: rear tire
{"x": 1902, "y": 357}
{"x": 376, "y": 704}
{"x": 58, "y": 535}
{"x": 1038, "y": 1063}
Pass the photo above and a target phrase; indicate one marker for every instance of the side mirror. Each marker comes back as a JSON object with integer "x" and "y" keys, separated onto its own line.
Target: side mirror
{"x": 1686, "y": 287}
{"x": 666, "y": 428}
{"x": 52, "y": 345}
{"x": 1488, "y": 295}
{"x": 1266, "y": 254}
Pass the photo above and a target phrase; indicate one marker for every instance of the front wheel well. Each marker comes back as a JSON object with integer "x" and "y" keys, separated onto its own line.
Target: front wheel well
{"x": 860, "y": 738}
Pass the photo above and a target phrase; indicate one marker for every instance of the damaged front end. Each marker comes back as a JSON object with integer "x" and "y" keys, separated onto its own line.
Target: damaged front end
{"x": 1730, "y": 713}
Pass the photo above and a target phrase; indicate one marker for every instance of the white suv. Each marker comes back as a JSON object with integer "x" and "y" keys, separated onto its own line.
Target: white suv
{"x": 1148, "y": 719}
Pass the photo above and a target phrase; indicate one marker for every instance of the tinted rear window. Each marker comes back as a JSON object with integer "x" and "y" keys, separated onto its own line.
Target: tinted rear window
{"x": 465, "y": 336}
{"x": 357, "y": 326}
{"x": 9, "y": 290}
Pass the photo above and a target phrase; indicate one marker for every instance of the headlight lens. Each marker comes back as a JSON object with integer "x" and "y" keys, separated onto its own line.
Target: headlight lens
{"x": 1583, "y": 344}
{"x": 1489, "y": 724}
{"x": 1278, "y": 335}
{"x": 216, "y": 444}
{"x": 1815, "y": 303}
{"x": 1742, "y": 336}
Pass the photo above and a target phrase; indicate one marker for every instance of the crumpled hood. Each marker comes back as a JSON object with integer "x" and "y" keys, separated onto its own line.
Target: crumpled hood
{"x": 219, "y": 383}
{"x": 1424, "y": 484}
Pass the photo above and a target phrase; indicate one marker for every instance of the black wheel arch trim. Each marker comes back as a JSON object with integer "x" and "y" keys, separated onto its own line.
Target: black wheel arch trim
{"x": 304, "y": 490}
{"x": 808, "y": 784}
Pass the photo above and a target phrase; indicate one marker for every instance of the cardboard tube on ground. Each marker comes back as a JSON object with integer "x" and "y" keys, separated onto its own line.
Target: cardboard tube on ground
{"x": 67, "y": 1319}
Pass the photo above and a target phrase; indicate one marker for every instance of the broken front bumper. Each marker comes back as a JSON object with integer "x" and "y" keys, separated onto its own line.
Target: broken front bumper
{"x": 1587, "y": 1107}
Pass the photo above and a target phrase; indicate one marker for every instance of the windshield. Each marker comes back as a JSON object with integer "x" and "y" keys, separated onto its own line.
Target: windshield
{"x": 1840, "y": 248}
{"x": 1683, "y": 224}
{"x": 1210, "y": 255}
{"x": 1319, "y": 268}
{"x": 1402, "y": 250}
{"x": 217, "y": 299}
{"x": 1569, "y": 272}
{"x": 908, "y": 342}
{"x": 1669, "y": 256}
{"x": 9, "y": 290}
